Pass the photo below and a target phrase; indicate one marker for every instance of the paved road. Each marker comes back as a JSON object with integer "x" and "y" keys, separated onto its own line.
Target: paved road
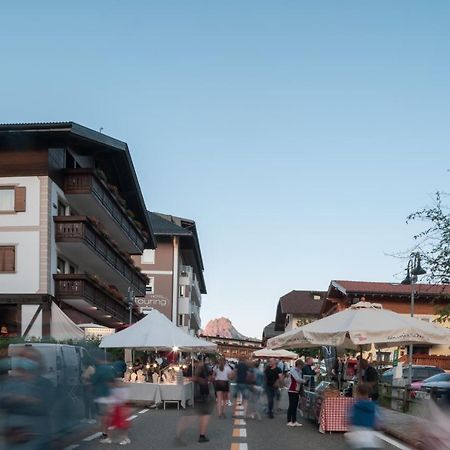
{"x": 155, "y": 429}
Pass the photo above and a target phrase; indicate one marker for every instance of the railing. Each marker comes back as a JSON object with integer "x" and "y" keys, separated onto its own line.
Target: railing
{"x": 82, "y": 286}
{"x": 85, "y": 181}
{"x": 77, "y": 228}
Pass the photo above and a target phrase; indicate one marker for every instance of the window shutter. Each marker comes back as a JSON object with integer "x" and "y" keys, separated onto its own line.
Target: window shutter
{"x": 7, "y": 259}
{"x": 20, "y": 198}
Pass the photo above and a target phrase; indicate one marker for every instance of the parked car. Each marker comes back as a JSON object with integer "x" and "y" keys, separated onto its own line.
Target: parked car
{"x": 419, "y": 373}
{"x": 441, "y": 381}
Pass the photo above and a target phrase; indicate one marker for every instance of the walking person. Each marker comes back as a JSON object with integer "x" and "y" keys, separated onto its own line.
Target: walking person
{"x": 273, "y": 379}
{"x": 203, "y": 405}
{"x": 363, "y": 419}
{"x": 295, "y": 386}
{"x": 221, "y": 374}
{"x": 241, "y": 376}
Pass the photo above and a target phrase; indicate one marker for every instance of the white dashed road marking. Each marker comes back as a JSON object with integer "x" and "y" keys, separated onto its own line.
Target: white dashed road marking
{"x": 92, "y": 436}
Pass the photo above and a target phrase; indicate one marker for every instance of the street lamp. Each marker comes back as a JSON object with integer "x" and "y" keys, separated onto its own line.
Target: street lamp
{"x": 413, "y": 270}
{"x": 130, "y": 301}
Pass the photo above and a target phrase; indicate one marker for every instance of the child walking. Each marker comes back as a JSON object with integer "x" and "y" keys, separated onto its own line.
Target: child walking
{"x": 363, "y": 419}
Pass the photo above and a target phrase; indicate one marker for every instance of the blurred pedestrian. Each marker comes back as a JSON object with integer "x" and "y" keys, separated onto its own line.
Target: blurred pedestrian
{"x": 203, "y": 404}
{"x": 273, "y": 380}
{"x": 363, "y": 420}
{"x": 27, "y": 399}
{"x": 295, "y": 386}
{"x": 241, "y": 392}
{"x": 256, "y": 390}
{"x": 118, "y": 425}
{"x": 102, "y": 381}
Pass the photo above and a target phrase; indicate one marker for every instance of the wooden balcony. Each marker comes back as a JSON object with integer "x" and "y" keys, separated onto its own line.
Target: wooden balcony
{"x": 91, "y": 196}
{"x": 93, "y": 252}
{"x": 83, "y": 293}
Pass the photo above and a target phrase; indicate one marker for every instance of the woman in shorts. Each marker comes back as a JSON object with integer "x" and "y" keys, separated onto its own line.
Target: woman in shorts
{"x": 221, "y": 374}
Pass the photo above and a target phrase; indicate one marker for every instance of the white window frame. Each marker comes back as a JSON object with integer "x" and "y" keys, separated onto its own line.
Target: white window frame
{"x": 148, "y": 256}
{"x": 151, "y": 285}
{"x": 13, "y": 206}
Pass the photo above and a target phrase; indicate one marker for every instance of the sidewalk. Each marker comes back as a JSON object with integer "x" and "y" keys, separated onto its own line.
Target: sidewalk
{"x": 401, "y": 426}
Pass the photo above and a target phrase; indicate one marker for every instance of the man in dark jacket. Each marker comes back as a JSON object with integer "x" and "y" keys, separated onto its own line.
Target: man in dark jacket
{"x": 370, "y": 377}
{"x": 309, "y": 374}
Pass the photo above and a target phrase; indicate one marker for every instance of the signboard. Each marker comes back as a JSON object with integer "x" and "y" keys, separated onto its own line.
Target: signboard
{"x": 154, "y": 301}
{"x": 395, "y": 358}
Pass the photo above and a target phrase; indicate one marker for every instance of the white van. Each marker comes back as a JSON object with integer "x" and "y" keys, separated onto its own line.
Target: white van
{"x": 62, "y": 363}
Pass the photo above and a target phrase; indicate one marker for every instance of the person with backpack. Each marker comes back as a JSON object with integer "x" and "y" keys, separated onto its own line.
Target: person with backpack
{"x": 294, "y": 389}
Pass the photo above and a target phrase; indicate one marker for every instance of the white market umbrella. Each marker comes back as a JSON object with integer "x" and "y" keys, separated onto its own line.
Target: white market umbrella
{"x": 156, "y": 332}
{"x": 361, "y": 325}
{"x": 270, "y": 353}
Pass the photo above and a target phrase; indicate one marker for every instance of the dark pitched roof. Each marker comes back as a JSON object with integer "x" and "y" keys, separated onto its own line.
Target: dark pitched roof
{"x": 164, "y": 226}
{"x": 269, "y": 331}
{"x": 90, "y": 142}
{"x": 300, "y": 303}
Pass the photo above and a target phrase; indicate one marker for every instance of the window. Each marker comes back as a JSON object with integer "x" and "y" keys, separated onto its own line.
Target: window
{"x": 148, "y": 257}
{"x": 150, "y": 288}
{"x": 12, "y": 199}
{"x": 7, "y": 259}
{"x": 60, "y": 266}
{"x": 63, "y": 210}
{"x": 182, "y": 291}
{"x": 180, "y": 320}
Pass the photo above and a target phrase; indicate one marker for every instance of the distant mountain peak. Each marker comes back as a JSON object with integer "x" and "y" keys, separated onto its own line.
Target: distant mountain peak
{"x": 222, "y": 327}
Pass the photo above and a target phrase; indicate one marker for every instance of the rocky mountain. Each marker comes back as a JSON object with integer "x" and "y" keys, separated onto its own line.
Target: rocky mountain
{"x": 222, "y": 327}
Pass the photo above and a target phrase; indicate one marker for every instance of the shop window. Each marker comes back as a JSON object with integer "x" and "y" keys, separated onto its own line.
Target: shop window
{"x": 7, "y": 259}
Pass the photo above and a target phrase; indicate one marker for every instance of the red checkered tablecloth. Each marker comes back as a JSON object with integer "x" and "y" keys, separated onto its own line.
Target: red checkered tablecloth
{"x": 334, "y": 413}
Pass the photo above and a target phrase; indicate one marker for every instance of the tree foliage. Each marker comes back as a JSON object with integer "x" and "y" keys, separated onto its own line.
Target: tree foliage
{"x": 434, "y": 244}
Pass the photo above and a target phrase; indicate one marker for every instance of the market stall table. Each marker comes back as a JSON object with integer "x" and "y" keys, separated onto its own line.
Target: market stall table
{"x": 334, "y": 413}
{"x": 162, "y": 392}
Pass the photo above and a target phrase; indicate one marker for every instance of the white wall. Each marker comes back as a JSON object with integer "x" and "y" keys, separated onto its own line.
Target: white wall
{"x": 31, "y": 216}
{"x": 22, "y": 230}
{"x": 26, "y": 278}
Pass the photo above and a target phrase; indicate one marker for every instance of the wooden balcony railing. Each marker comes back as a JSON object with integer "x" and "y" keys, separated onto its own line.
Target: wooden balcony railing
{"x": 85, "y": 181}
{"x": 80, "y": 229}
{"x": 83, "y": 286}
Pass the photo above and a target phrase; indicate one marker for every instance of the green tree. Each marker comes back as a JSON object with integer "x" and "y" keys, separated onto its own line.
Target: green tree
{"x": 434, "y": 244}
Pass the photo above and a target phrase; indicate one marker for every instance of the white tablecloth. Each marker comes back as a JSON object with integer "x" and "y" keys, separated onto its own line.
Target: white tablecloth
{"x": 160, "y": 392}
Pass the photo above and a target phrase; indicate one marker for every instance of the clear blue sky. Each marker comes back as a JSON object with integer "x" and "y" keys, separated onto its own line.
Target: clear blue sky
{"x": 298, "y": 135}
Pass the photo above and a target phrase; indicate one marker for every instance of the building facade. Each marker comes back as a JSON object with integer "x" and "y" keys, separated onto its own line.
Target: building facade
{"x": 429, "y": 299}
{"x": 71, "y": 214}
{"x": 297, "y": 308}
{"x": 175, "y": 271}
{"x": 236, "y": 349}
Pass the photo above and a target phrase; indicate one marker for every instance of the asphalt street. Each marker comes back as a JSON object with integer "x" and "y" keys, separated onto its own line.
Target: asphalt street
{"x": 156, "y": 429}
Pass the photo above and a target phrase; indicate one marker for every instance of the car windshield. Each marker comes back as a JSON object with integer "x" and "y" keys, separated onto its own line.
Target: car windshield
{"x": 438, "y": 377}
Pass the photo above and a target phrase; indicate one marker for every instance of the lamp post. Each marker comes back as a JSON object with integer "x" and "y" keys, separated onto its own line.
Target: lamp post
{"x": 413, "y": 270}
{"x": 130, "y": 301}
